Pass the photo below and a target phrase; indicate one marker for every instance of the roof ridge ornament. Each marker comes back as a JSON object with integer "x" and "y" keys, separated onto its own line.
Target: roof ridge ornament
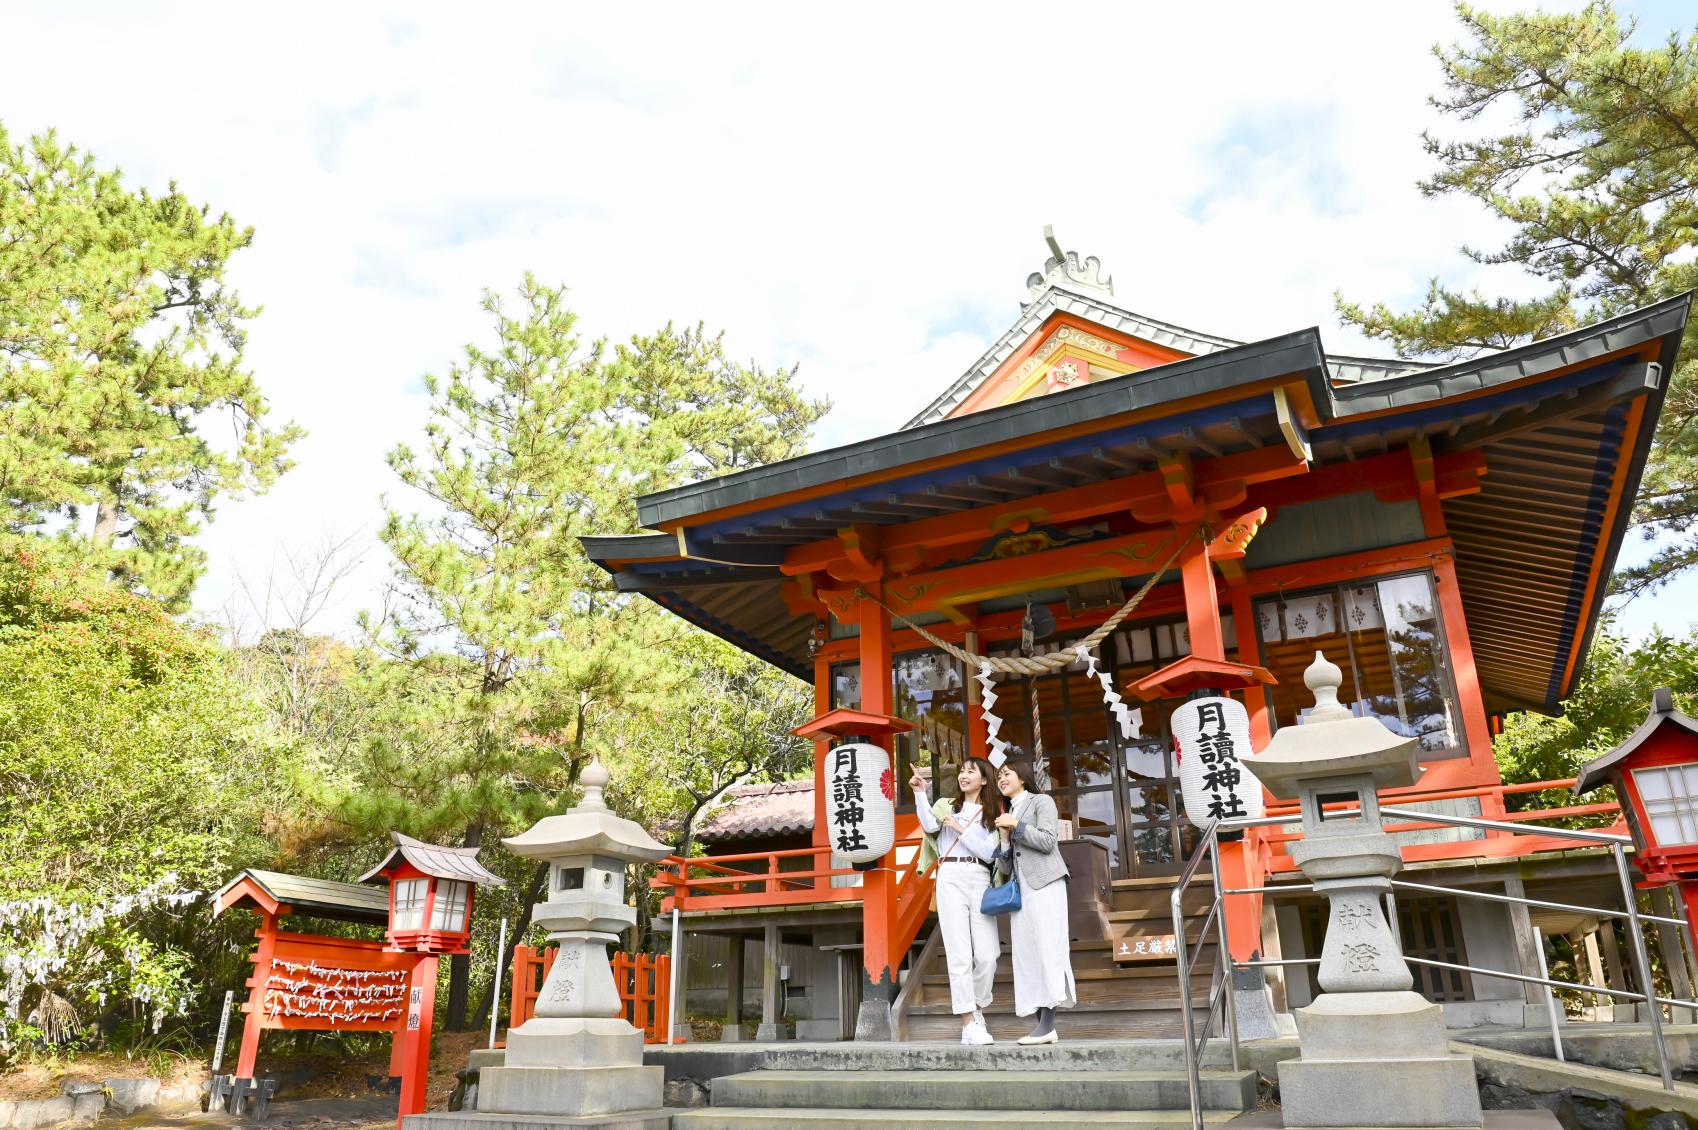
{"x": 1064, "y": 268}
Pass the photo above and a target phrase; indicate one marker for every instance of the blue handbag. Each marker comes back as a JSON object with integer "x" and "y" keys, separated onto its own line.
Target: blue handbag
{"x": 1005, "y": 899}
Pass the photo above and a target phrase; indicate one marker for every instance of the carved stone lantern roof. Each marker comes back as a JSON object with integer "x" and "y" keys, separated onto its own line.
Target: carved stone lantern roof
{"x": 588, "y": 828}
{"x": 1332, "y": 742}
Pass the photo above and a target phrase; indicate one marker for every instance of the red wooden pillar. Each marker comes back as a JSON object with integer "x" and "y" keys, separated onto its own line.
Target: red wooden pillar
{"x": 1202, "y": 603}
{"x": 878, "y": 905}
{"x": 822, "y": 703}
{"x": 255, "y": 1008}
{"x": 421, "y": 1011}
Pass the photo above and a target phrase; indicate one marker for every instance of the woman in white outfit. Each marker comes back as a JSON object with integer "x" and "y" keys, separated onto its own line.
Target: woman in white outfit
{"x": 961, "y": 835}
{"x": 1043, "y": 951}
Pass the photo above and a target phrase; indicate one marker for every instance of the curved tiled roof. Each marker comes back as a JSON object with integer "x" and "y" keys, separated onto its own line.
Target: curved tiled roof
{"x": 783, "y": 808}
{"x": 1059, "y": 299}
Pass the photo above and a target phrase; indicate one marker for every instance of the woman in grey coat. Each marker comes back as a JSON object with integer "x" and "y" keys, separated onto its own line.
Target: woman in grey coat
{"x": 1043, "y": 951}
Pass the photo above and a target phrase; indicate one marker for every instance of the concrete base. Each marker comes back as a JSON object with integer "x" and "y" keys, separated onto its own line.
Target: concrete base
{"x": 1495, "y": 1120}
{"x": 582, "y": 1041}
{"x": 572, "y": 1092}
{"x": 1253, "y": 1003}
{"x": 768, "y": 1033}
{"x": 1402, "y": 1092}
{"x": 1376, "y": 1059}
{"x": 873, "y": 1021}
{"x": 470, "y": 1120}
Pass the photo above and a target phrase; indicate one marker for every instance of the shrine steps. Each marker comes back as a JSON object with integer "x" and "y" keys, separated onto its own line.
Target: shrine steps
{"x": 1129, "y": 1084}
{"x": 1117, "y": 1000}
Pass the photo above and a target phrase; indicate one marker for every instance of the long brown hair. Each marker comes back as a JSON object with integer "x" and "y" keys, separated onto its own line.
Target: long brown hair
{"x": 1024, "y": 771}
{"x": 990, "y": 797}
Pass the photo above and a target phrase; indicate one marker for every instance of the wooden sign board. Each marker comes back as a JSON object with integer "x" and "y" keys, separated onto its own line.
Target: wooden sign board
{"x": 1131, "y": 945}
{"x": 319, "y": 983}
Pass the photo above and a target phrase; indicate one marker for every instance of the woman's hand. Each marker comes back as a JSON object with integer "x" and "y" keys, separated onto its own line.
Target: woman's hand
{"x": 954, "y": 824}
{"x": 1008, "y": 821}
{"x": 917, "y": 783}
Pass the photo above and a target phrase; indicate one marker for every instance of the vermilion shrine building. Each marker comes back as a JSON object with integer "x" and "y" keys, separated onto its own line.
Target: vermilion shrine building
{"x": 1443, "y": 533}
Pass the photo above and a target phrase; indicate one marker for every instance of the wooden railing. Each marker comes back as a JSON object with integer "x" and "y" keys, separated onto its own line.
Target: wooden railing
{"x": 642, "y": 981}
{"x": 761, "y": 878}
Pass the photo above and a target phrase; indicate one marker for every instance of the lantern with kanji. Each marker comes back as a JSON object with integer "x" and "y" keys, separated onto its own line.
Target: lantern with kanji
{"x": 1213, "y": 735}
{"x": 860, "y": 802}
{"x": 430, "y": 894}
{"x": 1655, "y": 774}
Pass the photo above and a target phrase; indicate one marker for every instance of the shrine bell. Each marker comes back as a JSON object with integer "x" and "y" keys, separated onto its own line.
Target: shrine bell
{"x": 1655, "y": 774}
{"x": 430, "y": 894}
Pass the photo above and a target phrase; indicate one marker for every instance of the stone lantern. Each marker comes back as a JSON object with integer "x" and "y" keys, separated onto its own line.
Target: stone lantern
{"x": 1374, "y": 1053}
{"x": 577, "y": 1056}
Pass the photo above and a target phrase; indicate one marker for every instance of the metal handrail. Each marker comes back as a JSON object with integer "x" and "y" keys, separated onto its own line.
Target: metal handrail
{"x": 1208, "y": 849}
{"x": 1195, "y": 1047}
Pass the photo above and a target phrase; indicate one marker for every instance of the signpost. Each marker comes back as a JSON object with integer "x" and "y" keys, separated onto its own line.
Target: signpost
{"x": 223, "y": 1030}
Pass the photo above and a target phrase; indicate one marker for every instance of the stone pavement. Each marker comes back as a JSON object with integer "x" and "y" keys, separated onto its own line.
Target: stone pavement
{"x": 299, "y": 1114}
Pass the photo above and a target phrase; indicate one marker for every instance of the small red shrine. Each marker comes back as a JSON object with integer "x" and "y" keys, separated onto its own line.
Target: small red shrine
{"x": 1655, "y": 774}
{"x": 316, "y": 982}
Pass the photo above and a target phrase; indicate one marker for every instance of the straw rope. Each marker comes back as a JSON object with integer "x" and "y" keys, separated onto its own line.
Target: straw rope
{"x": 1040, "y": 664}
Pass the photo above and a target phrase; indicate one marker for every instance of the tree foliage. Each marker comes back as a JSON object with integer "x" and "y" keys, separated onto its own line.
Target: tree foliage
{"x": 1610, "y": 701}
{"x": 131, "y": 784}
{"x": 120, "y": 341}
{"x": 1597, "y": 176}
{"x": 518, "y": 655}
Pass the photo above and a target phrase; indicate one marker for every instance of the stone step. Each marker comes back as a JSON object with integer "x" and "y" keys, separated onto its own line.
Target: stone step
{"x": 1003, "y": 1005}
{"x": 953, "y": 1055}
{"x": 825, "y": 1118}
{"x": 971, "y": 1090}
{"x": 1073, "y": 1024}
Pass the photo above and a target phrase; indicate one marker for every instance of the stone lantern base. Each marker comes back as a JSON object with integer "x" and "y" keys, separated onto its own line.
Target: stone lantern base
{"x": 1377, "y": 1059}
{"x": 572, "y": 1066}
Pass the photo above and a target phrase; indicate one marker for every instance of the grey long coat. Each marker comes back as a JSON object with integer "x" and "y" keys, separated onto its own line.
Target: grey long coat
{"x": 1033, "y": 845}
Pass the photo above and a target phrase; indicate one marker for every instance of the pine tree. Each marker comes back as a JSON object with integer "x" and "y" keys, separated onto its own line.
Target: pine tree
{"x": 1599, "y": 180}
{"x": 120, "y": 340}
{"x": 521, "y": 646}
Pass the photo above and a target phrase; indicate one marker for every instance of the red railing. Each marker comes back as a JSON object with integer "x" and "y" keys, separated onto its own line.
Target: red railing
{"x": 758, "y": 879}
{"x": 641, "y": 979}
{"x": 1489, "y": 844}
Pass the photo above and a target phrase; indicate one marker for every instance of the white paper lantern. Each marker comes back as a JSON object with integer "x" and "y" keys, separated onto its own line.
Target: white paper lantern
{"x": 860, "y": 802}
{"x": 1213, "y": 735}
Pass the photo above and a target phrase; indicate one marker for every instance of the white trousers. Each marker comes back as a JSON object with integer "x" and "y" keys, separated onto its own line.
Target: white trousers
{"x": 970, "y": 941}
{"x": 1043, "y": 951}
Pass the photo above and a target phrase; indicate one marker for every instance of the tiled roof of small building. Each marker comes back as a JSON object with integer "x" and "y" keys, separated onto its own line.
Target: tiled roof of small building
{"x": 435, "y": 860}
{"x": 761, "y": 811}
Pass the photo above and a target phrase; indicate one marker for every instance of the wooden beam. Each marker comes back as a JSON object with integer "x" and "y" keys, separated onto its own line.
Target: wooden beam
{"x": 1059, "y": 507}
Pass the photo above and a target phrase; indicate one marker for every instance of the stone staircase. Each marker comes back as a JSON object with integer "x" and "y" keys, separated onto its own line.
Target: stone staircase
{"x": 1116, "y": 1001}
{"x": 1136, "y": 1083}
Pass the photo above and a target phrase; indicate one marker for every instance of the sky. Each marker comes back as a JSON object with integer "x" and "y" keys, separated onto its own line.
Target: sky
{"x": 856, "y": 189}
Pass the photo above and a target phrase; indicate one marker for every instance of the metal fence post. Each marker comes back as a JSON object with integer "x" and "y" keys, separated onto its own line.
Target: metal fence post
{"x": 1642, "y": 962}
{"x": 495, "y": 999}
{"x": 1550, "y": 997}
{"x": 672, "y": 975}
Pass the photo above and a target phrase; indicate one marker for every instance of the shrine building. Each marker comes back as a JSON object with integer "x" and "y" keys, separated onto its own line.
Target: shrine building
{"x": 1444, "y": 534}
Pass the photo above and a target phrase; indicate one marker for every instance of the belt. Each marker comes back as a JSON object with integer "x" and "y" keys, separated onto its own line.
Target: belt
{"x": 963, "y": 859}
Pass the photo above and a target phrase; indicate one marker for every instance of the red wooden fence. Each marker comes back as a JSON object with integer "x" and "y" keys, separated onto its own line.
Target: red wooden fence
{"x": 642, "y": 980}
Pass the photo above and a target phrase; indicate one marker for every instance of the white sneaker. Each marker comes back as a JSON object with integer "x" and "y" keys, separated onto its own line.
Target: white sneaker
{"x": 976, "y": 1033}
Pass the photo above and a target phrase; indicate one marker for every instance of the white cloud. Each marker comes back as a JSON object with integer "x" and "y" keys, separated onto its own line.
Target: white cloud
{"x": 858, "y": 188}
